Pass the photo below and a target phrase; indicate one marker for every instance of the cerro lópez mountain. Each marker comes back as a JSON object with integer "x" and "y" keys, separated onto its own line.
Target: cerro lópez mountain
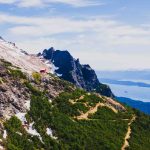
{"x": 52, "y": 102}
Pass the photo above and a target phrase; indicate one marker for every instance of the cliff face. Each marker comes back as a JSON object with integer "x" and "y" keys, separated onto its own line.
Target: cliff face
{"x": 70, "y": 69}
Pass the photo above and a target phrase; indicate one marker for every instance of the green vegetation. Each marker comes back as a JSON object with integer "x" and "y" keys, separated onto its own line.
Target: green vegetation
{"x": 104, "y": 113}
{"x": 1, "y": 80}
{"x": 65, "y": 106}
{"x": 18, "y": 139}
{"x": 32, "y": 89}
{"x": 37, "y": 77}
{"x": 17, "y": 74}
{"x": 104, "y": 130}
{"x": 6, "y": 63}
{"x": 140, "y": 137}
{"x": 74, "y": 134}
{"x": 104, "y": 89}
{"x": 68, "y": 87}
{"x": 71, "y": 133}
{"x": 91, "y": 99}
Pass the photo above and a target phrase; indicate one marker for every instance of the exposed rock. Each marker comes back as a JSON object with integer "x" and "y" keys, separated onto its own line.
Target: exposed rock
{"x": 14, "y": 94}
{"x": 70, "y": 69}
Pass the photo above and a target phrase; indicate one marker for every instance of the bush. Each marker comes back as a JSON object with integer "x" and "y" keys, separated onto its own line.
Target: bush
{"x": 17, "y": 74}
{"x": 37, "y": 77}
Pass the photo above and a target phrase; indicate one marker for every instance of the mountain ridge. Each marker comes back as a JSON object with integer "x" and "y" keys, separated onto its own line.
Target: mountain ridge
{"x": 38, "y": 110}
{"x": 70, "y": 69}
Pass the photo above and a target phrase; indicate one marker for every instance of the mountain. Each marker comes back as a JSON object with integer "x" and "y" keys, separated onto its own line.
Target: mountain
{"x": 70, "y": 69}
{"x": 28, "y": 63}
{"x": 142, "y": 106}
{"x": 43, "y": 112}
{"x": 128, "y": 83}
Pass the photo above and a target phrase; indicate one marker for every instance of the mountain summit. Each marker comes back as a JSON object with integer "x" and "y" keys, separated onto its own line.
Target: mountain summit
{"x": 70, "y": 69}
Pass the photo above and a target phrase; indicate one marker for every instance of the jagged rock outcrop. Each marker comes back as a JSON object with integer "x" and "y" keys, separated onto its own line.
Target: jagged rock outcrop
{"x": 70, "y": 69}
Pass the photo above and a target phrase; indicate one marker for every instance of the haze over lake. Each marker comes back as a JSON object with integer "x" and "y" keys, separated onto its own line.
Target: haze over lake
{"x": 120, "y": 88}
{"x": 133, "y": 92}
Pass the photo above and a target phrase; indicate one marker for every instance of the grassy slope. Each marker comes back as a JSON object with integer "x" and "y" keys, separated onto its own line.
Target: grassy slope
{"x": 104, "y": 130}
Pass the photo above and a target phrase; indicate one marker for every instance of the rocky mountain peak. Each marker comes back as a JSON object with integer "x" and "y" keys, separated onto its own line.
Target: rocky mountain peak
{"x": 70, "y": 69}
{"x": 48, "y": 53}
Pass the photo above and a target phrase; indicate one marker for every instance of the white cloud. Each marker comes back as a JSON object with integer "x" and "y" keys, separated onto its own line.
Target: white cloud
{"x": 77, "y": 3}
{"x": 40, "y": 3}
{"x": 29, "y": 3}
{"x": 7, "y": 1}
{"x": 102, "y": 42}
{"x": 109, "y": 31}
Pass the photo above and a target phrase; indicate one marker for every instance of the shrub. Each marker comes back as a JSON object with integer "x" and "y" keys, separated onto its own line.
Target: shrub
{"x": 17, "y": 74}
{"x": 37, "y": 77}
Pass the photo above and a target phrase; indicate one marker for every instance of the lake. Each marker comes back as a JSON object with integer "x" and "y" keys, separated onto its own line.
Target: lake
{"x": 133, "y": 92}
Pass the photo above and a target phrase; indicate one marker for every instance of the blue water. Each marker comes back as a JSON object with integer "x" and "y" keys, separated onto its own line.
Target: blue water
{"x": 133, "y": 92}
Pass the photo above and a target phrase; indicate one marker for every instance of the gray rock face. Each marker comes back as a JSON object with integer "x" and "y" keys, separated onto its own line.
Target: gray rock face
{"x": 70, "y": 69}
{"x": 15, "y": 94}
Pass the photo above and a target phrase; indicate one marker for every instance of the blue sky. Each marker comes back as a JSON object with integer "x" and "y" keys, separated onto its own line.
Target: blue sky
{"x": 107, "y": 34}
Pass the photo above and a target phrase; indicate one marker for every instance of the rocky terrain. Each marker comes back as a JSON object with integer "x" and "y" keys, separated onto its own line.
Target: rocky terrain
{"x": 15, "y": 92}
{"x": 70, "y": 69}
{"x": 38, "y": 110}
{"x": 28, "y": 63}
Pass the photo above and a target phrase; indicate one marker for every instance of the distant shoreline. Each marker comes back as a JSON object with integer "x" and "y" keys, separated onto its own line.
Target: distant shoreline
{"x": 128, "y": 83}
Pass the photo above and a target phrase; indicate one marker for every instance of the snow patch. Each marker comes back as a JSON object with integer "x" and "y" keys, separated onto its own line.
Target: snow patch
{"x": 59, "y": 75}
{"x": 5, "y": 134}
{"x": 19, "y": 133}
{"x": 33, "y": 131}
{"x": 1, "y": 147}
{"x": 50, "y": 133}
{"x": 54, "y": 67}
{"x": 29, "y": 128}
{"x": 21, "y": 116}
{"x": 50, "y": 100}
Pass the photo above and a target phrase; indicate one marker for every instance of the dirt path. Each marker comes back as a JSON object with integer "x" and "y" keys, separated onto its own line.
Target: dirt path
{"x": 94, "y": 109}
{"x": 127, "y": 137}
{"x": 91, "y": 111}
{"x": 112, "y": 108}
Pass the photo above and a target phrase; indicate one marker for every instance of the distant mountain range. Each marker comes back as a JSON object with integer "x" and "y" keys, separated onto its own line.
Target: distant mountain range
{"x": 142, "y": 106}
{"x": 129, "y": 83}
{"x": 125, "y": 75}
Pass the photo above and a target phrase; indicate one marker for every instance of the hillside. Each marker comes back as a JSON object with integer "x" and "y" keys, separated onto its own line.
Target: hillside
{"x": 40, "y": 111}
{"x": 44, "y": 112}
